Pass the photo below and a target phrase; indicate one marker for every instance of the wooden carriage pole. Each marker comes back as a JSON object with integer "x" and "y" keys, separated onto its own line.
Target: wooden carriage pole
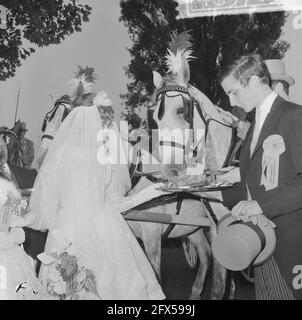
{"x": 155, "y": 217}
{"x": 17, "y": 106}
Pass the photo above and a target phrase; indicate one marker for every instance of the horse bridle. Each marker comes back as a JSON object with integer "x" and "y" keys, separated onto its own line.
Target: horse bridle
{"x": 49, "y": 116}
{"x": 189, "y": 106}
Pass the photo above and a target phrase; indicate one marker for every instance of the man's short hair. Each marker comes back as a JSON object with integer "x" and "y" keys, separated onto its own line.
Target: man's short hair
{"x": 284, "y": 83}
{"x": 245, "y": 67}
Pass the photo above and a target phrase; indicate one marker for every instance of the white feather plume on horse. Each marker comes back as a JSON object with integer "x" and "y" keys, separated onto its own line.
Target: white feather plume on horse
{"x": 84, "y": 76}
{"x": 178, "y": 55}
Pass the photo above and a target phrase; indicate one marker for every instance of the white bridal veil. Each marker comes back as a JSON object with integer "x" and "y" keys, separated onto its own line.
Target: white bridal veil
{"x": 71, "y": 171}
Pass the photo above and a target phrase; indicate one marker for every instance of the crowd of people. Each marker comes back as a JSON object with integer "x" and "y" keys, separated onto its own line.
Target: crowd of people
{"x": 14, "y": 145}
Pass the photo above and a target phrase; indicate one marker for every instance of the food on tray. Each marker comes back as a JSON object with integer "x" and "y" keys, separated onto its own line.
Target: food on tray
{"x": 189, "y": 181}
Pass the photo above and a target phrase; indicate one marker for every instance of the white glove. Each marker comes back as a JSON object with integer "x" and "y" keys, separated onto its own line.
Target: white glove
{"x": 231, "y": 176}
{"x": 227, "y": 116}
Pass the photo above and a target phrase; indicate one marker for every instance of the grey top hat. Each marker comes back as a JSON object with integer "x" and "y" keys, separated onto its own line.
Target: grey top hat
{"x": 239, "y": 244}
{"x": 276, "y": 69}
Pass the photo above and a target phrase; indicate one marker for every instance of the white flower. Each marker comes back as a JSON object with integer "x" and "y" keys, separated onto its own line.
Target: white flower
{"x": 102, "y": 99}
{"x": 59, "y": 287}
{"x": 23, "y": 204}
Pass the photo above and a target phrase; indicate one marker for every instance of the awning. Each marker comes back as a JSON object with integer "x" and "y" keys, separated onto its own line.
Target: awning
{"x": 205, "y": 8}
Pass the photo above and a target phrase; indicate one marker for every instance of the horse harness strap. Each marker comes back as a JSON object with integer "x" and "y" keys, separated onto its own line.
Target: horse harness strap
{"x": 172, "y": 225}
{"x": 231, "y": 159}
{"x": 171, "y": 88}
{"x": 47, "y": 136}
{"x": 206, "y": 203}
{"x": 172, "y": 144}
{"x": 50, "y": 115}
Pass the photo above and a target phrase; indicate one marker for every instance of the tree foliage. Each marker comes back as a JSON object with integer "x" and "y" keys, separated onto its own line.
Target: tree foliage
{"x": 216, "y": 40}
{"x": 36, "y": 22}
{"x": 133, "y": 119}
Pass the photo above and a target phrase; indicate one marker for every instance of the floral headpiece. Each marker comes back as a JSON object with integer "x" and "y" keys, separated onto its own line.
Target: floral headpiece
{"x": 104, "y": 105}
{"x": 102, "y": 99}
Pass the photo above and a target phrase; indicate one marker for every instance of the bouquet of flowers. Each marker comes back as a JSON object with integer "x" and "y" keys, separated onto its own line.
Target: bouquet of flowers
{"x": 20, "y": 208}
{"x": 66, "y": 279}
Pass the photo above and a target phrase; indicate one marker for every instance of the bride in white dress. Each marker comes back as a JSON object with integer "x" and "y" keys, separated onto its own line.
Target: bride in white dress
{"x": 91, "y": 253}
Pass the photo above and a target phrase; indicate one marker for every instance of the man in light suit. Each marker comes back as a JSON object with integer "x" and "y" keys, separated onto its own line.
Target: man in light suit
{"x": 271, "y": 174}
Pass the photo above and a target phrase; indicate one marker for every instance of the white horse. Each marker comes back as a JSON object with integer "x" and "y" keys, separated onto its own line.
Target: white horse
{"x": 189, "y": 123}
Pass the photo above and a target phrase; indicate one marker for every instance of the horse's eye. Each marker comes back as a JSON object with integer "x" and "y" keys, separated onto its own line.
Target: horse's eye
{"x": 180, "y": 110}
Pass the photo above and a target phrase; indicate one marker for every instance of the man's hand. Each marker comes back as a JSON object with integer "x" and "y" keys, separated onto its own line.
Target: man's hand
{"x": 227, "y": 116}
{"x": 242, "y": 129}
{"x": 247, "y": 211}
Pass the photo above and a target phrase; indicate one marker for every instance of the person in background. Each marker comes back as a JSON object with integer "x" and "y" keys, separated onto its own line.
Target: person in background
{"x": 3, "y": 152}
{"x": 4, "y": 169}
{"x": 16, "y": 266}
{"x": 280, "y": 81}
{"x": 26, "y": 145}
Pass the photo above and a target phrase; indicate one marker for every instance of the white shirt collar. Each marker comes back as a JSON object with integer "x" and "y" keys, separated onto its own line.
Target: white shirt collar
{"x": 266, "y": 106}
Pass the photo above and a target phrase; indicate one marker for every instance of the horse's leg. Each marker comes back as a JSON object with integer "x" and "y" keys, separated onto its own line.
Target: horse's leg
{"x": 152, "y": 245}
{"x": 219, "y": 280}
{"x": 219, "y": 275}
{"x": 203, "y": 248}
{"x": 232, "y": 290}
{"x": 223, "y": 283}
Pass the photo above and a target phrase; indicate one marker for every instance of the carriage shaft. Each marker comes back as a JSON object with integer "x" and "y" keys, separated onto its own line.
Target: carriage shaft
{"x": 155, "y": 217}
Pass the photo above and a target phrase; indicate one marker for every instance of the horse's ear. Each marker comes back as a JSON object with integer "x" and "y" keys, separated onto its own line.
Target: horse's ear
{"x": 157, "y": 79}
{"x": 183, "y": 76}
{"x": 79, "y": 90}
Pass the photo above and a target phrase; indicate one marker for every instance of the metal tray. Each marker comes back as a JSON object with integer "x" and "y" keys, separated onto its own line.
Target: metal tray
{"x": 204, "y": 188}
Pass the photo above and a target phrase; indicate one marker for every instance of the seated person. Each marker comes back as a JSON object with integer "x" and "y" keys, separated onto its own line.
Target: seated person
{"x": 18, "y": 279}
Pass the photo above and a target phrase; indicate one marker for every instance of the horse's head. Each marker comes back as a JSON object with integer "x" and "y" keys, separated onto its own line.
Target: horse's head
{"x": 178, "y": 114}
{"x": 81, "y": 96}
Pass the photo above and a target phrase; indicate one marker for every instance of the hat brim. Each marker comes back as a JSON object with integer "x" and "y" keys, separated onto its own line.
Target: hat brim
{"x": 284, "y": 77}
{"x": 269, "y": 232}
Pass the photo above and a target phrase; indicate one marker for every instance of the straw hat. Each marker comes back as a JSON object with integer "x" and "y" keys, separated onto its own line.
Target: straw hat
{"x": 239, "y": 244}
{"x": 276, "y": 69}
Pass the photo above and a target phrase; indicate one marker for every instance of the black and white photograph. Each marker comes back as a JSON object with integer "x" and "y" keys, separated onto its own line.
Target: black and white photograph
{"x": 150, "y": 152}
